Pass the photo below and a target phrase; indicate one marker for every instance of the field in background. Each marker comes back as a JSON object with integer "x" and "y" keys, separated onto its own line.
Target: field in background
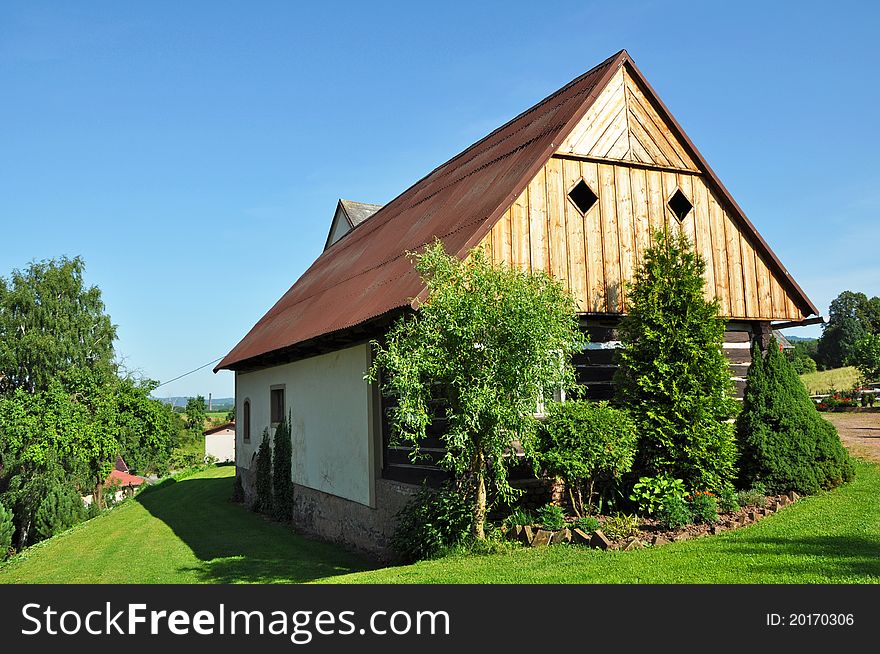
{"x": 838, "y": 379}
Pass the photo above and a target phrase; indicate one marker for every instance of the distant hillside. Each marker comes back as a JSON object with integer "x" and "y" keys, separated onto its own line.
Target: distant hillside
{"x": 217, "y": 403}
{"x": 792, "y": 339}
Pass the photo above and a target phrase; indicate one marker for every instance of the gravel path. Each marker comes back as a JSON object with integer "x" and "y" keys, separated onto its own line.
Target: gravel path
{"x": 860, "y": 432}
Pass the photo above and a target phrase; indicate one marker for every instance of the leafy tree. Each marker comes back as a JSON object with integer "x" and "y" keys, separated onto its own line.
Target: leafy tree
{"x": 75, "y": 424}
{"x": 263, "y": 473}
{"x": 673, "y": 375}
{"x": 230, "y": 417}
{"x": 588, "y": 445}
{"x": 50, "y": 322}
{"x": 282, "y": 484}
{"x": 146, "y": 429}
{"x": 196, "y": 414}
{"x": 848, "y": 322}
{"x": 7, "y": 530}
{"x": 866, "y": 357}
{"x": 487, "y": 344}
{"x": 785, "y": 444}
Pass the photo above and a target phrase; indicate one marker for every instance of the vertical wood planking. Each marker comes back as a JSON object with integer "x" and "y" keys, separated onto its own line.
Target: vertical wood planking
{"x": 519, "y": 218}
{"x": 639, "y": 183}
{"x": 610, "y": 238}
{"x": 720, "y": 259}
{"x": 626, "y": 230}
{"x": 556, "y": 222}
{"x": 575, "y": 238}
{"x": 656, "y": 201}
{"x": 596, "y": 299}
{"x": 735, "y": 269}
{"x": 689, "y": 223}
{"x": 777, "y": 297}
{"x": 538, "y": 222}
{"x": 703, "y": 232}
{"x": 750, "y": 282}
{"x": 670, "y": 183}
{"x": 765, "y": 302}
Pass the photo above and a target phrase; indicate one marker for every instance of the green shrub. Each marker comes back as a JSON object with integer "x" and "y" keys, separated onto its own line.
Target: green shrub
{"x": 282, "y": 483}
{"x": 674, "y": 512}
{"x": 752, "y": 497}
{"x": 704, "y": 508}
{"x": 519, "y": 517}
{"x": 60, "y": 509}
{"x": 588, "y": 445}
{"x": 551, "y": 517}
{"x": 588, "y": 524}
{"x": 727, "y": 500}
{"x": 238, "y": 490}
{"x": 431, "y": 523}
{"x": 784, "y": 443}
{"x": 263, "y": 476}
{"x": 7, "y": 528}
{"x": 672, "y": 371}
{"x": 93, "y": 510}
{"x": 621, "y": 525}
{"x": 650, "y": 492}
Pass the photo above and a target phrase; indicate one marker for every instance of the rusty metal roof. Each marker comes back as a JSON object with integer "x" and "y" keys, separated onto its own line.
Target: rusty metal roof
{"x": 367, "y": 273}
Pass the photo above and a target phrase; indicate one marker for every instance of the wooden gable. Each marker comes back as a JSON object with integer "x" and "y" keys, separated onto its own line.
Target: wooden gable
{"x": 625, "y": 125}
{"x": 633, "y": 162}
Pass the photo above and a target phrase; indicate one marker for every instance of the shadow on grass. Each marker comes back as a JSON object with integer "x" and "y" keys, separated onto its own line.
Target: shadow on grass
{"x": 237, "y": 546}
{"x": 839, "y": 558}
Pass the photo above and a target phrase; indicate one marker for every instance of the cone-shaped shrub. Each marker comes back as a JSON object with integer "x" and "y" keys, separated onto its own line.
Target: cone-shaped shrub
{"x": 673, "y": 375}
{"x": 784, "y": 443}
{"x": 282, "y": 484}
{"x": 7, "y": 528}
{"x": 263, "y": 481}
{"x": 59, "y": 510}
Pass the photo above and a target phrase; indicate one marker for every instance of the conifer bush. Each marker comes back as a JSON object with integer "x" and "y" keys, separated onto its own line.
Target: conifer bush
{"x": 673, "y": 375}
{"x": 785, "y": 444}
{"x": 7, "y": 528}
{"x": 60, "y": 509}
{"x": 263, "y": 474}
{"x": 282, "y": 484}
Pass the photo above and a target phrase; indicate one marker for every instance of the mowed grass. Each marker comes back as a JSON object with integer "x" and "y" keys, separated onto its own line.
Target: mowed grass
{"x": 832, "y": 537}
{"x": 839, "y": 379}
{"x": 189, "y": 532}
{"x": 182, "y": 532}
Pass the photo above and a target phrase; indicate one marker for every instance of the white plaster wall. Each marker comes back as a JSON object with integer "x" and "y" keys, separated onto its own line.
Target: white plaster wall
{"x": 221, "y": 445}
{"x": 330, "y": 406}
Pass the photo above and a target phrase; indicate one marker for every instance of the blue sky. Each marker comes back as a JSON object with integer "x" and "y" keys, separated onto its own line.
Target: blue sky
{"x": 193, "y": 152}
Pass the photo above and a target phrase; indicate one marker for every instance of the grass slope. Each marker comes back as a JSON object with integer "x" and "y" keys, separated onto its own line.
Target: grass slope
{"x": 188, "y": 532}
{"x": 833, "y": 537}
{"x": 184, "y": 531}
{"x": 839, "y": 379}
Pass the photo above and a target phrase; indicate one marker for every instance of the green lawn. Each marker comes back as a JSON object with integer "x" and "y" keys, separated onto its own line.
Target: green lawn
{"x": 839, "y": 379}
{"x": 188, "y": 532}
{"x": 833, "y": 537}
{"x": 183, "y": 532}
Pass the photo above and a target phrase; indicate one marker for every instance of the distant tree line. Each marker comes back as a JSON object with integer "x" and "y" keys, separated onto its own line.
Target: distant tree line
{"x": 67, "y": 408}
{"x": 851, "y": 337}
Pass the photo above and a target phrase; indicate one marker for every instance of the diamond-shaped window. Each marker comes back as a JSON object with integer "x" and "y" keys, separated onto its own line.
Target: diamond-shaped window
{"x": 680, "y": 205}
{"x": 582, "y": 197}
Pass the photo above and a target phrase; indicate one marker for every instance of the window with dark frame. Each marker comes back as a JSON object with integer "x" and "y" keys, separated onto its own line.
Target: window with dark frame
{"x": 680, "y": 205}
{"x": 277, "y": 406}
{"x": 246, "y": 421}
{"x": 582, "y": 197}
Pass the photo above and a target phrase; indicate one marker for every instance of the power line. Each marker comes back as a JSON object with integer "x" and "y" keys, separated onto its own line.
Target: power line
{"x": 190, "y": 372}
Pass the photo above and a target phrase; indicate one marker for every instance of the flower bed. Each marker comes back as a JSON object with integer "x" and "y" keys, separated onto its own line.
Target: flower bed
{"x": 649, "y": 530}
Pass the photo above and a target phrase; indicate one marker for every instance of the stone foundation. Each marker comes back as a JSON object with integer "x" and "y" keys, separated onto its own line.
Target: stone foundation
{"x": 342, "y": 521}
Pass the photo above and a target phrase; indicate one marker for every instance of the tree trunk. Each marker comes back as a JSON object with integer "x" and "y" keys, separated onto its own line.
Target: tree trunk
{"x": 99, "y": 495}
{"x": 480, "y": 501}
{"x": 23, "y": 532}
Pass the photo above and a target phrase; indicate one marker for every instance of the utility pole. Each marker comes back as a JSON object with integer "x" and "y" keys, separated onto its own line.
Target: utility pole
{"x": 209, "y": 403}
